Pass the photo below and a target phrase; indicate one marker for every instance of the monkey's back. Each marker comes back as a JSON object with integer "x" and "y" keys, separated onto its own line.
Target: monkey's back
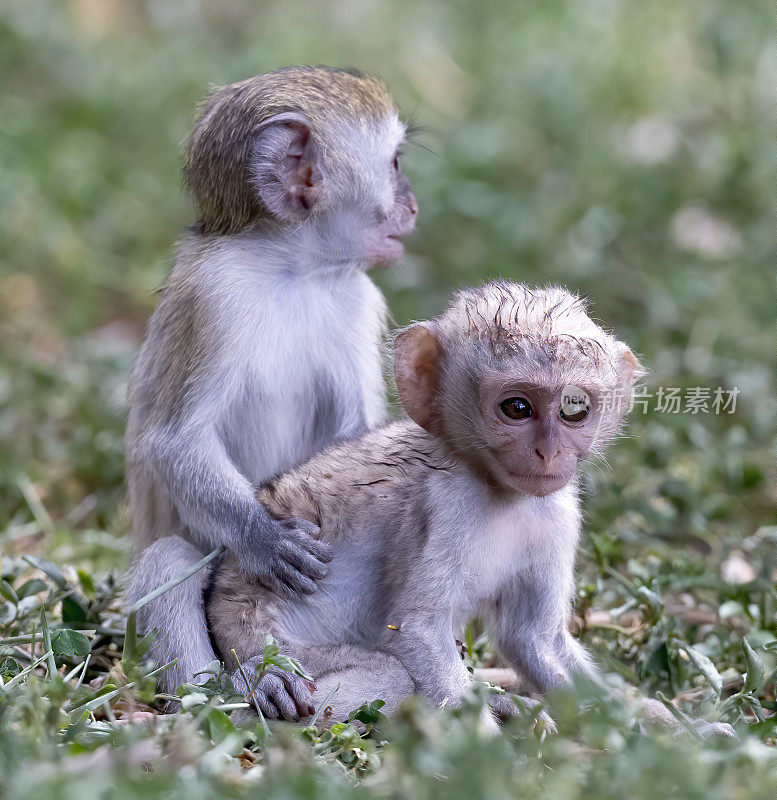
{"x": 367, "y": 496}
{"x": 348, "y": 485}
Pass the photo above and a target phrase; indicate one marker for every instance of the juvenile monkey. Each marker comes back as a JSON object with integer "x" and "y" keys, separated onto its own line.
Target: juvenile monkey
{"x": 468, "y": 507}
{"x": 265, "y": 344}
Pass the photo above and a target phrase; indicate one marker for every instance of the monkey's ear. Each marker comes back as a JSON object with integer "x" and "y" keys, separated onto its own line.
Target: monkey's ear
{"x": 417, "y": 354}
{"x": 629, "y": 367}
{"x": 286, "y": 168}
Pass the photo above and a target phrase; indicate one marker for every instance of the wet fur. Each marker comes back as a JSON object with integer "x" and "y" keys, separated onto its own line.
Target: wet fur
{"x": 422, "y": 539}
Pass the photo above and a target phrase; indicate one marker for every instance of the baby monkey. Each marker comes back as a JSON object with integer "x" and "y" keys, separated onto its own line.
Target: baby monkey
{"x": 470, "y": 507}
{"x": 266, "y": 342}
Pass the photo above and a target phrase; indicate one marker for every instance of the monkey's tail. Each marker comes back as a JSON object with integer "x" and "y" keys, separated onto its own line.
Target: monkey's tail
{"x": 177, "y": 616}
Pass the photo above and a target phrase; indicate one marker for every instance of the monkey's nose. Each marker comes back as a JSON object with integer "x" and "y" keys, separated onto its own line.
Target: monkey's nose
{"x": 412, "y": 204}
{"x": 549, "y": 453}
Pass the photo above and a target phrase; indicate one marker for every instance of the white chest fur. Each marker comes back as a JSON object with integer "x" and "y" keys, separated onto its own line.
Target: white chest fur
{"x": 497, "y": 541}
{"x": 304, "y": 355}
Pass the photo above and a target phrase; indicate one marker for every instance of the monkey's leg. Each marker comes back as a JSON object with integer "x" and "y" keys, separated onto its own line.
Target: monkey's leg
{"x": 348, "y": 676}
{"x": 344, "y": 677}
{"x": 548, "y": 660}
{"x": 177, "y": 616}
{"x": 574, "y": 656}
{"x": 240, "y": 612}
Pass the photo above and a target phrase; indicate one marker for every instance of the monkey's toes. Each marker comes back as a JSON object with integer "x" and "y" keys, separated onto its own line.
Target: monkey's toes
{"x": 713, "y": 729}
{"x": 298, "y": 688}
{"x": 287, "y": 693}
{"x": 278, "y": 694}
{"x": 507, "y": 706}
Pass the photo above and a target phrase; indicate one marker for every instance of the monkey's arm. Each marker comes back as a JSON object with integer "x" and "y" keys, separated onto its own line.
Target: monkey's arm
{"x": 217, "y": 506}
{"x": 529, "y": 618}
{"x": 426, "y": 646}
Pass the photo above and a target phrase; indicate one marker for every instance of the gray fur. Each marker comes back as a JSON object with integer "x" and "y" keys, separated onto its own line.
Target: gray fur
{"x": 222, "y": 151}
{"x": 162, "y": 561}
{"x": 266, "y": 342}
{"x": 426, "y": 529}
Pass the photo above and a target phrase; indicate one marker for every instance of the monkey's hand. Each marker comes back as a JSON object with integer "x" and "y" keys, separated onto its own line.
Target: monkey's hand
{"x": 284, "y": 555}
{"x": 279, "y": 694}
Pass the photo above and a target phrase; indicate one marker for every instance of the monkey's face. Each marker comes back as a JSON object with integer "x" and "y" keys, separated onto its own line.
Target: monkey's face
{"x": 370, "y": 207}
{"x": 520, "y": 383}
{"x": 535, "y": 436}
{"x": 526, "y": 431}
{"x": 384, "y": 243}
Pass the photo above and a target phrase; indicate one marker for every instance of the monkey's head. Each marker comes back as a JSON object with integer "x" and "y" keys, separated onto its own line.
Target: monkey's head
{"x": 518, "y": 382}
{"x": 313, "y": 149}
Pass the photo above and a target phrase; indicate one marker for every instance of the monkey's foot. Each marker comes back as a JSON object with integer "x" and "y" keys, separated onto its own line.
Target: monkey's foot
{"x": 655, "y": 713}
{"x": 506, "y": 706}
{"x": 279, "y": 694}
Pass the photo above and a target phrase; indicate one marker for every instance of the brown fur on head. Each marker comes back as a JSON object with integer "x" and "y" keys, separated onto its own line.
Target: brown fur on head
{"x": 257, "y": 145}
{"x": 488, "y": 375}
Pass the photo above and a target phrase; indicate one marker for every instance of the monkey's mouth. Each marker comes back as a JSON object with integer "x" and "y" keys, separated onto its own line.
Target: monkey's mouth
{"x": 397, "y": 237}
{"x": 534, "y": 476}
{"x": 536, "y": 483}
{"x": 391, "y": 249}
{"x": 388, "y": 247}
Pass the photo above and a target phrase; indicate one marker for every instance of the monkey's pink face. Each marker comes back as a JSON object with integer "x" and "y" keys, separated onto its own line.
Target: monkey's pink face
{"x": 535, "y": 437}
{"x": 384, "y": 241}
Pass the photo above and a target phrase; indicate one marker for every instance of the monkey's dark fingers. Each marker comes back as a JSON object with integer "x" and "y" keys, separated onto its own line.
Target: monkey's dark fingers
{"x": 323, "y": 551}
{"x": 299, "y": 688}
{"x": 302, "y": 561}
{"x": 292, "y": 579}
{"x": 277, "y": 693}
{"x": 305, "y": 533}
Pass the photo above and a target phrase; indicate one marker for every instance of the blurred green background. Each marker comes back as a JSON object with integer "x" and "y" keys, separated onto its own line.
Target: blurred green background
{"x": 624, "y": 149}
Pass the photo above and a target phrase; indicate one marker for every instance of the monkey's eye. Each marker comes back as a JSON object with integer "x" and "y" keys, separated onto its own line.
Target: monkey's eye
{"x": 395, "y": 163}
{"x": 516, "y": 408}
{"x": 575, "y": 404}
{"x": 574, "y": 413}
{"x": 578, "y": 416}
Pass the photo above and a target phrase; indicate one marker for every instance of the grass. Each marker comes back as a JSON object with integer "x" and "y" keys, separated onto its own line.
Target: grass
{"x": 620, "y": 149}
